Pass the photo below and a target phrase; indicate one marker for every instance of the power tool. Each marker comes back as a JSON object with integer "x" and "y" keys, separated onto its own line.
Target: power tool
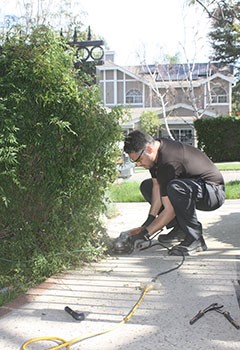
{"x": 125, "y": 243}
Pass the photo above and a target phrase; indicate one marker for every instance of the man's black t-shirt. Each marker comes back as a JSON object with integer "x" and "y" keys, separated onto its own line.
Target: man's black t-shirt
{"x": 179, "y": 160}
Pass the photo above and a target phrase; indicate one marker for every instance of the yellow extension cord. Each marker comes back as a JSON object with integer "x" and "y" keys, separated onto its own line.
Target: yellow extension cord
{"x": 67, "y": 344}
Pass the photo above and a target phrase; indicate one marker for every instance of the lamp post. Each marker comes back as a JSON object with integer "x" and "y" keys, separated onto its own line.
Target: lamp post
{"x": 89, "y": 53}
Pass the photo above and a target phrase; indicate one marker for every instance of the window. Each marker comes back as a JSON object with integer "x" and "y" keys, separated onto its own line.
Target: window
{"x": 109, "y": 74}
{"x": 134, "y": 96}
{"x": 218, "y": 95}
{"x": 183, "y": 135}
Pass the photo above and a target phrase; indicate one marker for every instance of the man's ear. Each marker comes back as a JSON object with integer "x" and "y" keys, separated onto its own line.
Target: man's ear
{"x": 149, "y": 148}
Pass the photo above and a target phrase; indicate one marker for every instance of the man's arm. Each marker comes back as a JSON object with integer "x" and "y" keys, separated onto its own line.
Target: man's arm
{"x": 165, "y": 216}
{"x": 156, "y": 202}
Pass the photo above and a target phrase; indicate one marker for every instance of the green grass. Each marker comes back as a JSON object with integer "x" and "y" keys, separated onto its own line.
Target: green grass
{"x": 232, "y": 190}
{"x": 129, "y": 192}
{"x": 126, "y": 192}
{"x": 228, "y": 166}
{"x": 221, "y": 166}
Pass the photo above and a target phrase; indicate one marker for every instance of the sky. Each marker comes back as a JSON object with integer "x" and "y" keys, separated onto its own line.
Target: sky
{"x": 140, "y": 31}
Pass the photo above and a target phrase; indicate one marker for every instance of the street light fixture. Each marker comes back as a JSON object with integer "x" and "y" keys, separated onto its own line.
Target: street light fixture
{"x": 89, "y": 53}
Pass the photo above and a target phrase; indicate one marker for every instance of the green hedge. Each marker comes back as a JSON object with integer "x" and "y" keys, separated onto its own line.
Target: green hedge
{"x": 219, "y": 137}
{"x": 57, "y": 151}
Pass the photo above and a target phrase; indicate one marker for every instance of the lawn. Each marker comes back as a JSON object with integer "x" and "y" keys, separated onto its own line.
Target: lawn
{"x": 221, "y": 166}
{"x": 228, "y": 166}
{"x": 128, "y": 191}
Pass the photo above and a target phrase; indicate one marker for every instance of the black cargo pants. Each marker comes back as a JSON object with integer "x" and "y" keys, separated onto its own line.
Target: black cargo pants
{"x": 187, "y": 195}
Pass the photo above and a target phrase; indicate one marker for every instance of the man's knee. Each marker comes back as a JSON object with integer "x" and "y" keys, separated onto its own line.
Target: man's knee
{"x": 146, "y": 189}
{"x": 176, "y": 188}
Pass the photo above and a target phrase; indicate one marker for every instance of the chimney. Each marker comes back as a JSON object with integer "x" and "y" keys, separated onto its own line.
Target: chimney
{"x": 109, "y": 56}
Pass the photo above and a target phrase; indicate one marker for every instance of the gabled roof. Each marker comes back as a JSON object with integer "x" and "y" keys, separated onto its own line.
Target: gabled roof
{"x": 190, "y": 108}
{"x": 136, "y": 113}
{"x": 132, "y": 71}
{"x": 230, "y": 79}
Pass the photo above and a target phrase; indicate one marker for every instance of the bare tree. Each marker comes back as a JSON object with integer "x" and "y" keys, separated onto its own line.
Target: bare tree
{"x": 213, "y": 6}
{"x": 187, "y": 83}
{"x": 56, "y": 14}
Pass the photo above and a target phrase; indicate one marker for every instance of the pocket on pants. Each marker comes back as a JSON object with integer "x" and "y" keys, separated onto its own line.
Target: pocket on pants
{"x": 213, "y": 198}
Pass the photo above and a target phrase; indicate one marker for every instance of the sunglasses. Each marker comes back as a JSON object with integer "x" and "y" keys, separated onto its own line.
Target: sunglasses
{"x": 138, "y": 158}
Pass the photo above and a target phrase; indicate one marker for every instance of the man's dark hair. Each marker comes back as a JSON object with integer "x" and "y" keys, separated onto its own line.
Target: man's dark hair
{"x": 136, "y": 141}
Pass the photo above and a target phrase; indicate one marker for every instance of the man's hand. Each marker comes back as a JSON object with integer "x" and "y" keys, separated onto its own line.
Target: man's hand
{"x": 125, "y": 242}
{"x": 138, "y": 233}
{"x": 135, "y": 231}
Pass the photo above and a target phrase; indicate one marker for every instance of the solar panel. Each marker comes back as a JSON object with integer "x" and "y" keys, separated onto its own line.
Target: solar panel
{"x": 184, "y": 71}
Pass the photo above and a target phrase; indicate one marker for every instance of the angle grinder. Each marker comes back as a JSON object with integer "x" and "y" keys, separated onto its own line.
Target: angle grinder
{"x": 123, "y": 244}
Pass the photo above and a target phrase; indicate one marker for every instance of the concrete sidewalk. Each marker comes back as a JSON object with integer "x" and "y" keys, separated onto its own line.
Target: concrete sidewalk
{"x": 107, "y": 290}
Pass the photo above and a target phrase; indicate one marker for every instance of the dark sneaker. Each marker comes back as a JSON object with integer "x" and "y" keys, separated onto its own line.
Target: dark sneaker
{"x": 188, "y": 248}
{"x": 175, "y": 235}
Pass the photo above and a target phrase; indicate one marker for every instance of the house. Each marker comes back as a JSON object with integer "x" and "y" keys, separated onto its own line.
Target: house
{"x": 178, "y": 93}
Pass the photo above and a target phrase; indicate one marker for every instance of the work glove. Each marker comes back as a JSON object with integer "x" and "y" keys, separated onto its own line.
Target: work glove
{"x": 149, "y": 220}
{"x": 125, "y": 242}
{"x": 139, "y": 233}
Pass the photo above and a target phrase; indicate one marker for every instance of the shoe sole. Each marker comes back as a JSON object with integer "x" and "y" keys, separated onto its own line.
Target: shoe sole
{"x": 198, "y": 250}
{"x": 189, "y": 252}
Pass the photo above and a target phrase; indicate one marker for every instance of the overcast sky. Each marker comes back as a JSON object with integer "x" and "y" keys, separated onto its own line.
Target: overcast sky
{"x": 143, "y": 29}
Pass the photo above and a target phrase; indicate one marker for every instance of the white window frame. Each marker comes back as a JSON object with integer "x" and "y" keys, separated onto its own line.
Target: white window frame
{"x": 217, "y": 96}
{"x": 135, "y": 95}
{"x": 180, "y": 135}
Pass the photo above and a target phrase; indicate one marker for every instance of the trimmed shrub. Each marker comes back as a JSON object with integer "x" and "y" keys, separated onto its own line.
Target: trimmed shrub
{"x": 219, "y": 137}
{"x": 57, "y": 158}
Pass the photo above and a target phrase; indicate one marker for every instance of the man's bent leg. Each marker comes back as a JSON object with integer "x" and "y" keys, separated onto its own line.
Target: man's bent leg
{"x": 183, "y": 194}
{"x": 214, "y": 197}
{"x": 146, "y": 189}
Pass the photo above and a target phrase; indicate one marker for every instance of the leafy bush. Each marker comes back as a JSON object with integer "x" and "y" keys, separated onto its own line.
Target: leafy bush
{"x": 150, "y": 123}
{"x": 57, "y": 152}
{"x": 219, "y": 137}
